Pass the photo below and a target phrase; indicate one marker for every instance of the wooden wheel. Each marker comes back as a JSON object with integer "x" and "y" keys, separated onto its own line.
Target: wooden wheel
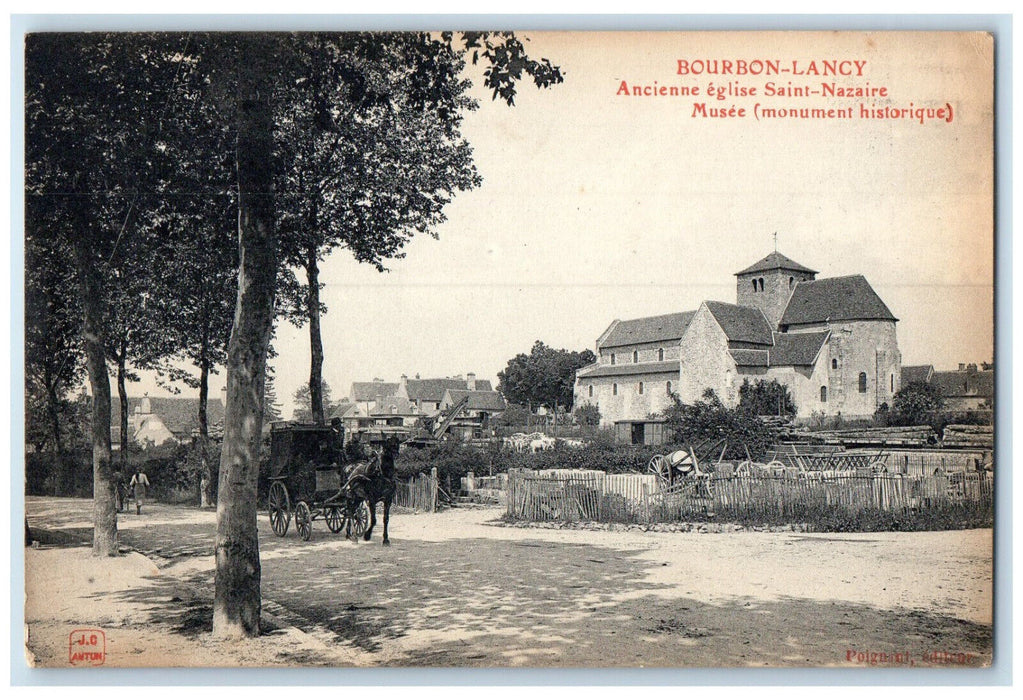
{"x": 304, "y": 520}
{"x": 335, "y": 518}
{"x": 358, "y": 514}
{"x": 279, "y": 504}
{"x": 661, "y": 468}
{"x": 744, "y": 468}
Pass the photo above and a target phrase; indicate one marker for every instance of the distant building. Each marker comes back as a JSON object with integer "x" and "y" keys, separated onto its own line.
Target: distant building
{"x": 412, "y": 396}
{"x": 964, "y": 389}
{"x": 482, "y": 407}
{"x": 831, "y": 341}
{"x": 155, "y": 421}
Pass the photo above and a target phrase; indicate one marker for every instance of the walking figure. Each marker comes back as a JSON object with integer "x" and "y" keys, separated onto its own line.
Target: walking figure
{"x": 139, "y": 484}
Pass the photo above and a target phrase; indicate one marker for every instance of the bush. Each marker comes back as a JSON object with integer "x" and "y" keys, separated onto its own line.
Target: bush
{"x": 709, "y": 420}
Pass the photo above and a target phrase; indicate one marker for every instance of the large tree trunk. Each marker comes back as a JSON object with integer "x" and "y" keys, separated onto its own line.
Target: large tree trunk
{"x": 104, "y": 513}
{"x": 122, "y": 394}
{"x": 236, "y": 604}
{"x": 205, "y": 472}
{"x": 315, "y": 341}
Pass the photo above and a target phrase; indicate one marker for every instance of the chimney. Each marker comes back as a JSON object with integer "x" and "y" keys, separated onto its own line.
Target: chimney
{"x": 962, "y": 366}
{"x": 471, "y": 381}
{"x": 417, "y": 375}
{"x": 147, "y": 406}
{"x": 971, "y": 367}
{"x": 404, "y": 380}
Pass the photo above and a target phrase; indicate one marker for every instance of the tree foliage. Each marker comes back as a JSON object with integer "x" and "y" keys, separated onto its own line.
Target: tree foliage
{"x": 544, "y": 377}
{"x": 708, "y": 420}
{"x": 765, "y": 398}
{"x": 915, "y": 404}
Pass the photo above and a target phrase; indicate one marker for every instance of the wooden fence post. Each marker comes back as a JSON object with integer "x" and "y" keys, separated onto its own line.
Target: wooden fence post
{"x": 433, "y": 489}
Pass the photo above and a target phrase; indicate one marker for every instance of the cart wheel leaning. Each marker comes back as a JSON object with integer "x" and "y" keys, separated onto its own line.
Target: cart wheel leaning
{"x": 304, "y": 520}
{"x": 659, "y": 466}
{"x": 335, "y": 518}
{"x": 279, "y": 504}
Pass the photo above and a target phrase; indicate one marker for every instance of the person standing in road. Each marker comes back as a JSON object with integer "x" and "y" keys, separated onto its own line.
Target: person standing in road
{"x": 139, "y": 484}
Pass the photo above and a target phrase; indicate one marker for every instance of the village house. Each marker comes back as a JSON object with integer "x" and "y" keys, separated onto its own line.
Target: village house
{"x": 965, "y": 389}
{"x": 481, "y": 407}
{"x": 153, "y": 421}
{"x": 832, "y": 342}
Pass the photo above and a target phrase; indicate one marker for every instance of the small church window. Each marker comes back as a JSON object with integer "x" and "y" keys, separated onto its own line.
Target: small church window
{"x": 761, "y": 280}
{"x": 863, "y": 382}
{"x": 635, "y": 356}
{"x": 754, "y": 285}
{"x": 614, "y": 389}
{"x": 792, "y": 282}
{"x": 591, "y": 390}
{"x": 641, "y": 387}
{"x": 660, "y": 355}
{"x": 834, "y": 363}
{"x": 668, "y": 390}
{"x": 893, "y": 383}
{"x": 824, "y": 394}
{"x": 612, "y": 358}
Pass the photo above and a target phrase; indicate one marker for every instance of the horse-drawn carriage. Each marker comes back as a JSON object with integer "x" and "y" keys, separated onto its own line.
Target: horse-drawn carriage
{"x": 312, "y": 478}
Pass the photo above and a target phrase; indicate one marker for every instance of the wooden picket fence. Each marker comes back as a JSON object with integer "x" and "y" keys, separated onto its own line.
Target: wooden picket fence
{"x": 418, "y": 492}
{"x": 632, "y": 498}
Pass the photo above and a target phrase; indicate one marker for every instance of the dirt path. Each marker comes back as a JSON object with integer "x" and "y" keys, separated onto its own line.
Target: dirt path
{"x": 455, "y": 589}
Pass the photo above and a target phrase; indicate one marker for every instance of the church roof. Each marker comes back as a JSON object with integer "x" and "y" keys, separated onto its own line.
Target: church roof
{"x": 433, "y": 389}
{"x": 600, "y": 370}
{"x": 180, "y": 415}
{"x": 479, "y": 400}
{"x": 750, "y": 358}
{"x": 651, "y": 329}
{"x": 741, "y": 323}
{"x": 835, "y": 299}
{"x": 775, "y": 261}
{"x": 912, "y": 374}
{"x": 797, "y": 349}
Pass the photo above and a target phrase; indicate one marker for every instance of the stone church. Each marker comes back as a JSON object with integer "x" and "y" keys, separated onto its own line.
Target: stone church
{"x": 831, "y": 341}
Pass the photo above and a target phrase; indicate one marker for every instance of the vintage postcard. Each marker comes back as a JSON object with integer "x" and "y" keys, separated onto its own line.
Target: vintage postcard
{"x": 510, "y": 349}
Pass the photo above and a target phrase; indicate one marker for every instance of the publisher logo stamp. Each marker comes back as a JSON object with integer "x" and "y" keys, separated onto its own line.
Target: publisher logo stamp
{"x": 87, "y": 647}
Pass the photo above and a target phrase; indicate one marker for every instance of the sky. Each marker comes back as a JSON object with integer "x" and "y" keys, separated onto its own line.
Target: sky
{"x": 598, "y": 205}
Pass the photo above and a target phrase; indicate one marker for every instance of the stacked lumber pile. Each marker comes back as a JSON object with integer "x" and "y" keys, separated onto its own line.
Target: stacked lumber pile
{"x": 903, "y": 436}
{"x": 973, "y": 436}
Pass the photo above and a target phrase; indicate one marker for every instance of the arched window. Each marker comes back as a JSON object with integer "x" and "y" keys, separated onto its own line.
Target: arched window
{"x": 612, "y": 358}
{"x": 668, "y": 388}
{"x": 641, "y": 387}
{"x": 792, "y": 282}
{"x": 824, "y": 394}
{"x": 834, "y": 363}
{"x": 754, "y": 285}
{"x": 591, "y": 391}
{"x": 863, "y": 382}
{"x": 635, "y": 356}
{"x": 761, "y": 280}
{"x": 660, "y": 355}
{"x": 614, "y": 389}
{"x": 893, "y": 383}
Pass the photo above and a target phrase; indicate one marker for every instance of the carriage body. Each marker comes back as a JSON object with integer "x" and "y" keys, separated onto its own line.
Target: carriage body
{"x": 307, "y": 480}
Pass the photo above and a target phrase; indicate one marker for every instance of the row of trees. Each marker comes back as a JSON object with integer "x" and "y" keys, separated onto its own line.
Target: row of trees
{"x": 184, "y": 178}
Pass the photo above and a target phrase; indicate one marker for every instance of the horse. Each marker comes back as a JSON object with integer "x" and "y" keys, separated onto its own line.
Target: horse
{"x": 371, "y": 482}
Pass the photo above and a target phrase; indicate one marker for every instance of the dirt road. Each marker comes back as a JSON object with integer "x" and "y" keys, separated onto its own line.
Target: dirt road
{"x": 455, "y": 589}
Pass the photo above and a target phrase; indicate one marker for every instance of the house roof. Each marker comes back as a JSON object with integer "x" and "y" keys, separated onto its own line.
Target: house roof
{"x": 651, "y": 329}
{"x": 340, "y": 409}
{"x": 433, "y": 389}
{"x": 835, "y": 299}
{"x": 912, "y": 374}
{"x": 750, "y": 358}
{"x": 367, "y": 391}
{"x": 961, "y": 384}
{"x": 392, "y": 406}
{"x": 775, "y": 261}
{"x": 741, "y": 323}
{"x": 797, "y": 349}
{"x": 179, "y": 415}
{"x": 599, "y": 370}
{"x": 479, "y": 400}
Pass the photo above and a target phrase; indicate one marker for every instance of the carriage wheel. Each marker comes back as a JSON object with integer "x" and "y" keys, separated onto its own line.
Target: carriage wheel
{"x": 744, "y": 469}
{"x": 303, "y": 520}
{"x": 659, "y": 466}
{"x": 280, "y": 508}
{"x": 358, "y": 514}
{"x": 335, "y": 518}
